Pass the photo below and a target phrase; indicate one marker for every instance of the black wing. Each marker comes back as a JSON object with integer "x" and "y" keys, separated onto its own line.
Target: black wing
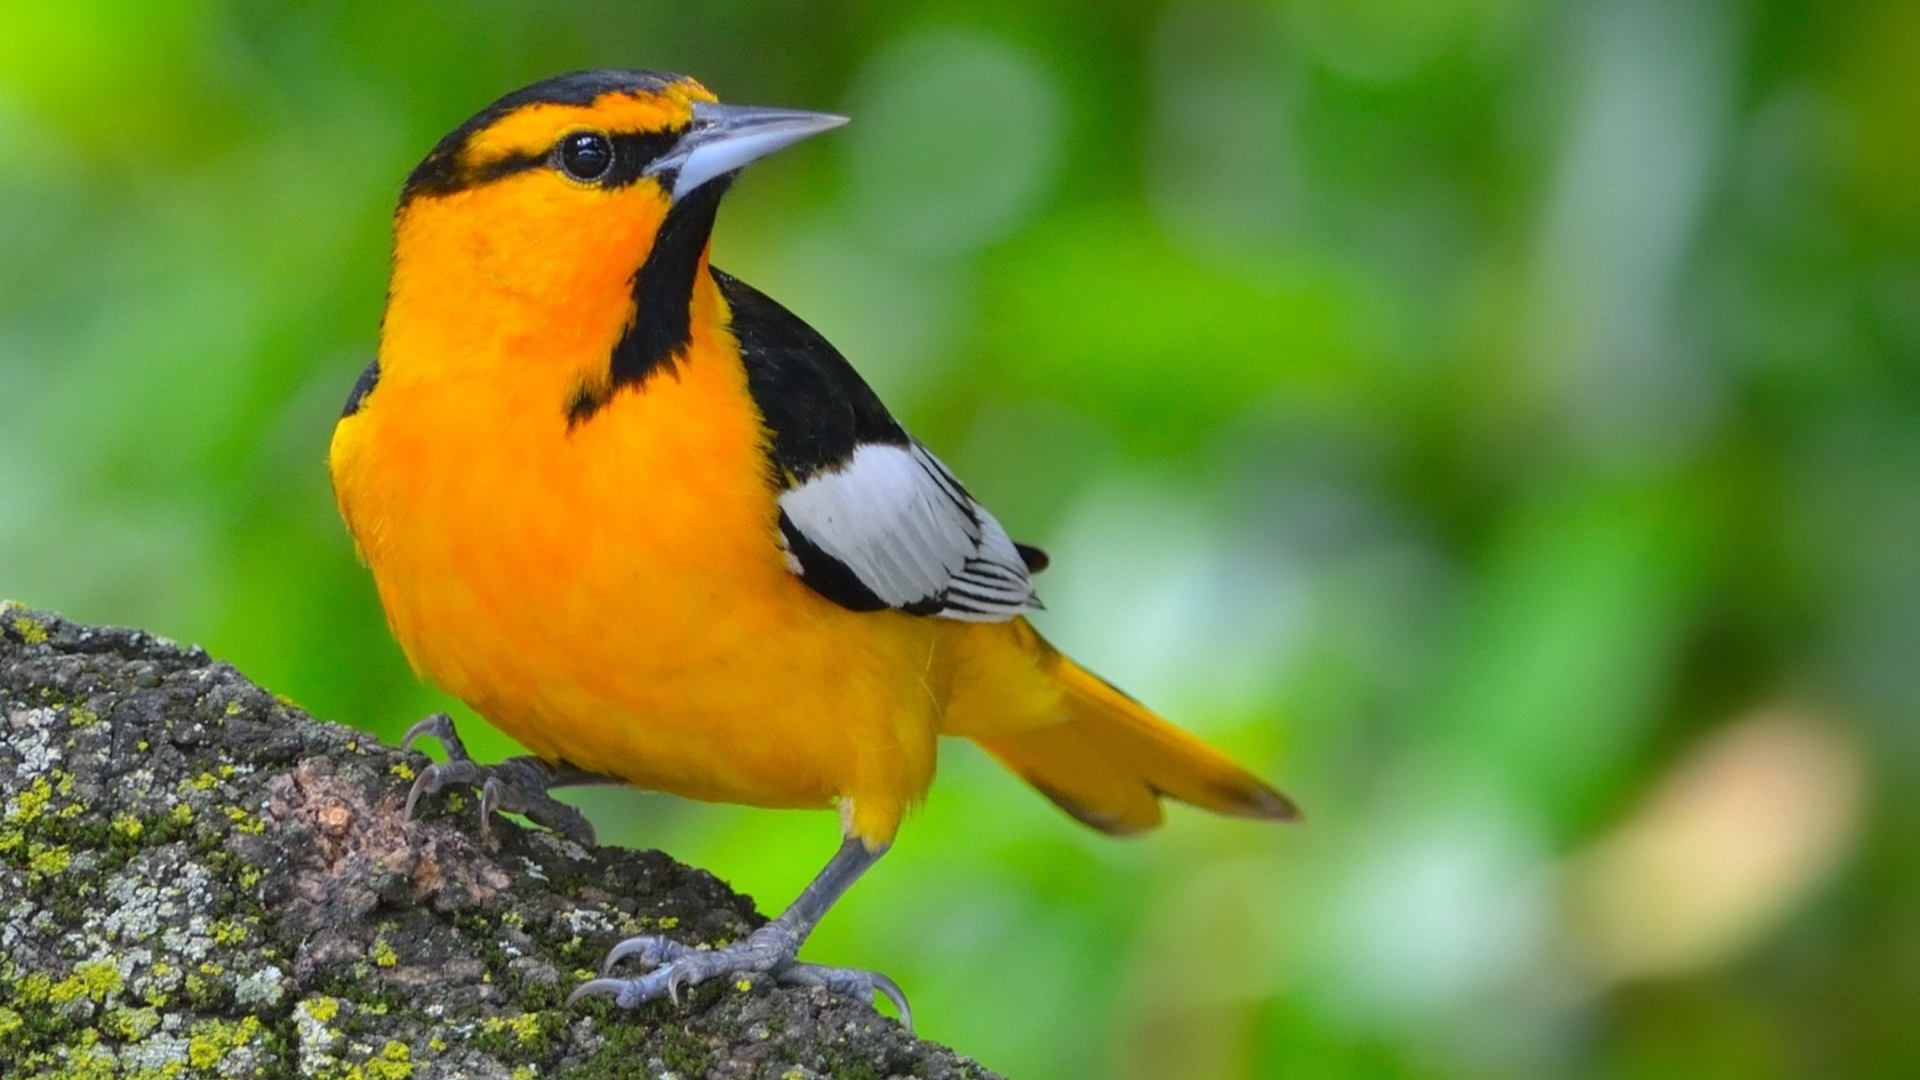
{"x": 871, "y": 519}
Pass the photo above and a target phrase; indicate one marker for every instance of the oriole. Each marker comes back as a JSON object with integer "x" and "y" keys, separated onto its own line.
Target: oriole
{"x": 653, "y": 526}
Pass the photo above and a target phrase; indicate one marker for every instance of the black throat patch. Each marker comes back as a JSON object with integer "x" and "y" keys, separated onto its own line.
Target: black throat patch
{"x": 662, "y": 321}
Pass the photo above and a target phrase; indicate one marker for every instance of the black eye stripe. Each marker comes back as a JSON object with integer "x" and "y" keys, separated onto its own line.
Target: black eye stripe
{"x": 577, "y": 154}
{"x": 632, "y": 153}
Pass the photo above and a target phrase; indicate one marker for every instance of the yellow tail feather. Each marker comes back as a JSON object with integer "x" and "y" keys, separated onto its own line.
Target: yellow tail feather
{"x": 1108, "y": 761}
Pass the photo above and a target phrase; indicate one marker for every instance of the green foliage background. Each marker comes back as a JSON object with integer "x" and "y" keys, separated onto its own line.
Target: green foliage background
{"x": 1494, "y": 420}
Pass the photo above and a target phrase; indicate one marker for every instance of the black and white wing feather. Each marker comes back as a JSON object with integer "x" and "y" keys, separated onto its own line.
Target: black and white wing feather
{"x": 871, "y": 519}
{"x": 895, "y": 519}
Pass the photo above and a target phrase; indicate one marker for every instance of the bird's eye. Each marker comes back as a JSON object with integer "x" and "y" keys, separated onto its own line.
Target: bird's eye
{"x": 586, "y": 155}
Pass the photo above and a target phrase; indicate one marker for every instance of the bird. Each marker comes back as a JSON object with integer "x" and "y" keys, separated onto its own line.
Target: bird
{"x": 654, "y": 527}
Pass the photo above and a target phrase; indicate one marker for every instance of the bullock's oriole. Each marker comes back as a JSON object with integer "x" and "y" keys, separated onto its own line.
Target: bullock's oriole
{"x": 657, "y": 529}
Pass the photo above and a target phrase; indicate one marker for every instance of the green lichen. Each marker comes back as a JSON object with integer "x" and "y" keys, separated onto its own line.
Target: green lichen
{"x": 245, "y": 821}
{"x": 206, "y": 781}
{"x": 86, "y": 1060}
{"x": 521, "y": 1035}
{"x": 395, "y": 1062}
{"x": 26, "y": 807}
{"x": 323, "y": 1009}
{"x": 383, "y": 953}
{"x": 30, "y": 630}
{"x": 91, "y": 980}
{"x": 212, "y": 1041}
{"x": 47, "y": 860}
{"x": 32, "y": 988}
{"x": 525, "y": 1027}
{"x": 317, "y": 1038}
{"x": 130, "y": 1024}
{"x": 99, "y": 978}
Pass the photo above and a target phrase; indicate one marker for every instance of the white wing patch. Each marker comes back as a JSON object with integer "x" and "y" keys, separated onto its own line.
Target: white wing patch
{"x": 905, "y": 528}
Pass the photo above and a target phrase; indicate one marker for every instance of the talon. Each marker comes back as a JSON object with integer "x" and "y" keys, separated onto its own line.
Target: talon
{"x": 489, "y": 802}
{"x": 439, "y": 775}
{"x": 426, "y": 783}
{"x": 899, "y": 1000}
{"x": 849, "y": 982}
{"x": 609, "y": 987}
{"x": 896, "y": 995}
{"x": 653, "y": 952}
{"x": 439, "y": 727}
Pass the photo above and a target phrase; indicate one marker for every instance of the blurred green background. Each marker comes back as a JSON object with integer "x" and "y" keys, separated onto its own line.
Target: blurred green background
{"x": 1496, "y": 421}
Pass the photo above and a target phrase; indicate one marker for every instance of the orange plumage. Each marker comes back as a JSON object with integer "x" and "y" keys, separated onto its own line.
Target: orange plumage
{"x": 614, "y": 594}
{"x": 614, "y": 568}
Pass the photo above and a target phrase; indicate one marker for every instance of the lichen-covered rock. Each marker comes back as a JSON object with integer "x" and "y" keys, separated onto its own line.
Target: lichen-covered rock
{"x": 199, "y": 880}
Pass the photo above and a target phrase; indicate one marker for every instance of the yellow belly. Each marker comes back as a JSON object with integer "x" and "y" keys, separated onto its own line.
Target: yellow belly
{"x": 615, "y": 597}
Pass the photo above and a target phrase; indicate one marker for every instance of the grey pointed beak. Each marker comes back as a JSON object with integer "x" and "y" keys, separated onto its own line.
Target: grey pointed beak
{"x": 723, "y": 138}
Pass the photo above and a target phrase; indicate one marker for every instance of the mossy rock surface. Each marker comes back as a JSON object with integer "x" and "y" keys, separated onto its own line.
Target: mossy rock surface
{"x": 198, "y": 879}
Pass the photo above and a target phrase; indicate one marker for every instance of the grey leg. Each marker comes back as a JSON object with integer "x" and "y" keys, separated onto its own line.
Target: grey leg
{"x": 770, "y": 949}
{"x": 518, "y": 784}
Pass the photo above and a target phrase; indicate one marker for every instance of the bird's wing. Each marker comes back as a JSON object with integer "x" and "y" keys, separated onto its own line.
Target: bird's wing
{"x": 870, "y": 518}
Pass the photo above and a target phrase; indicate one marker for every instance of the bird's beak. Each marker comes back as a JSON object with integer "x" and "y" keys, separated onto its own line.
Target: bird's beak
{"x": 723, "y": 138}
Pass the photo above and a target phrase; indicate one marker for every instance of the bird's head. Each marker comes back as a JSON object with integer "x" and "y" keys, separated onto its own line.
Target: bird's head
{"x": 590, "y": 195}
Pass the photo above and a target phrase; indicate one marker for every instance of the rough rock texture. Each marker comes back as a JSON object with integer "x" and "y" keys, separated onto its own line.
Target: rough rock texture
{"x": 198, "y": 879}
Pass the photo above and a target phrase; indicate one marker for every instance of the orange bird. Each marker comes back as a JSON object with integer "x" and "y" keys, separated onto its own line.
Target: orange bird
{"x": 653, "y": 526}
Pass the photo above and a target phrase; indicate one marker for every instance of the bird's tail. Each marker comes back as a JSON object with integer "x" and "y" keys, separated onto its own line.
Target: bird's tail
{"x": 1108, "y": 761}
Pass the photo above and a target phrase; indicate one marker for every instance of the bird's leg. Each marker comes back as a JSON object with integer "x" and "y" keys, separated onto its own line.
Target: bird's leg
{"x": 518, "y": 784}
{"x": 770, "y": 949}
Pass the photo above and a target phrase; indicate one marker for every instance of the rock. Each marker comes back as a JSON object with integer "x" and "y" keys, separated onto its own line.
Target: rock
{"x": 199, "y": 879}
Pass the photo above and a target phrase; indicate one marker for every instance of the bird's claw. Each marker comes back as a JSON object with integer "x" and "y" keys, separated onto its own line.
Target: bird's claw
{"x": 674, "y": 967}
{"x": 652, "y": 951}
{"x": 847, "y": 982}
{"x": 438, "y": 727}
{"x": 518, "y": 785}
{"x": 438, "y": 775}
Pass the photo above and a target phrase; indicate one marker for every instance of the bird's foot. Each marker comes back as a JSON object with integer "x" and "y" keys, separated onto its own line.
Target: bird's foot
{"x": 519, "y": 785}
{"x": 767, "y": 951}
